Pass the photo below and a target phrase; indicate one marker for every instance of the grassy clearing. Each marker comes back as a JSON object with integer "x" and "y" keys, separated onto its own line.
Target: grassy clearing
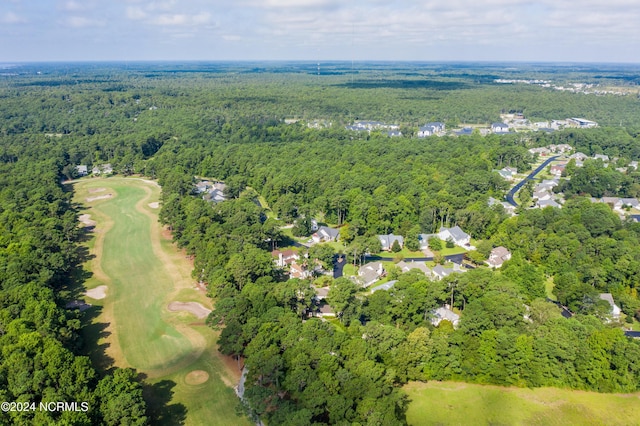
{"x": 450, "y": 403}
{"x": 144, "y": 272}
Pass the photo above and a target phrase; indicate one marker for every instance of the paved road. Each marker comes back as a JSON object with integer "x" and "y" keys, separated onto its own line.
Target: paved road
{"x": 532, "y": 175}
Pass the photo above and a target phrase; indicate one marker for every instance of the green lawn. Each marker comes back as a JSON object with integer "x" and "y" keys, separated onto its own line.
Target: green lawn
{"x": 450, "y": 403}
{"x": 132, "y": 327}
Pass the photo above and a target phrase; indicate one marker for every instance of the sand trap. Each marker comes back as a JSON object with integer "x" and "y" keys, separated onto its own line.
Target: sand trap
{"x": 193, "y": 307}
{"x": 77, "y": 304}
{"x": 94, "y": 190}
{"x": 196, "y": 377}
{"x": 99, "y": 197}
{"x": 97, "y": 293}
{"x": 85, "y": 218}
{"x": 154, "y": 205}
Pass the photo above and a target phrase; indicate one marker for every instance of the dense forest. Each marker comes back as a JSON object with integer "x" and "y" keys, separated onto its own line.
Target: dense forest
{"x": 226, "y": 121}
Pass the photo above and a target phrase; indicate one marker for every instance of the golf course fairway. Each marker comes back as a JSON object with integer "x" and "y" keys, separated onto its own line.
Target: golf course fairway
{"x": 136, "y": 274}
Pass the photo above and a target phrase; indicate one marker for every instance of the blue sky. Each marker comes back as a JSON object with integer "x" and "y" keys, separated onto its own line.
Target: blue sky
{"x": 467, "y": 30}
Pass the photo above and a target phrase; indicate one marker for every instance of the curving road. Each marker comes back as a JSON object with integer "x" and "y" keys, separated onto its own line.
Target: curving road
{"x": 532, "y": 175}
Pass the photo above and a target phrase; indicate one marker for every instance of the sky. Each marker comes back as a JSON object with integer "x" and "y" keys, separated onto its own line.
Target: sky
{"x": 316, "y": 30}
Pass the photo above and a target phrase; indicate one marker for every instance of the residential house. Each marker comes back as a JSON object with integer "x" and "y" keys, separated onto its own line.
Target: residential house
{"x": 104, "y": 169}
{"x": 579, "y": 156}
{"x": 615, "y": 310}
{"x": 499, "y": 128}
{"x": 602, "y": 157}
{"x": 394, "y": 133}
{"x": 623, "y": 203}
{"x": 508, "y": 208}
{"x": 557, "y": 169}
{"x": 508, "y": 173}
{"x": 324, "y": 234}
{"x": 498, "y": 256}
{"x": 322, "y": 293}
{"x": 82, "y": 170}
{"x": 419, "y": 265}
{"x": 386, "y": 241}
{"x": 542, "y": 151}
{"x": 582, "y": 123}
{"x": 439, "y": 271}
{"x": 541, "y": 204}
{"x": 284, "y": 258}
{"x": 542, "y": 195}
{"x": 299, "y": 271}
{"x": 561, "y": 148}
{"x": 370, "y": 273}
{"x": 203, "y": 186}
{"x": 634, "y": 164}
{"x": 444, "y": 313}
{"x": 611, "y": 201}
{"x": 456, "y": 234}
{"x": 386, "y": 286}
{"x": 430, "y": 129}
{"x": 423, "y": 239}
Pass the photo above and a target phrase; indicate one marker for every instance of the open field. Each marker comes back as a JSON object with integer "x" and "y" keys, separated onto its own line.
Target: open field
{"x": 141, "y": 274}
{"x": 452, "y": 403}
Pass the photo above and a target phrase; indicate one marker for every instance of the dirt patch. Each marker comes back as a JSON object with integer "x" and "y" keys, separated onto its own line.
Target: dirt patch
{"x": 94, "y": 190}
{"x": 86, "y": 220}
{"x": 99, "y": 197}
{"x": 97, "y": 293}
{"x": 77, "y": 304}
{"x": 196, "y": 377}
{"x": 192, "y": 307}
{"x": 154, "y": 205}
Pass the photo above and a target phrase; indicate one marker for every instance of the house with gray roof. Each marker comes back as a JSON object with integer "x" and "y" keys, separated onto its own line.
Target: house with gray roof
{"x": 430, "y": 129}
{"x": 386, "y": 286}
{"x": 324, "y": 233}
{"x": 413, "y": 264}
{"x": 499, "y": 128}
{"x": 82, "y": 170}
{"x": 386, "y": 241}
{"x": 548, "y": 203}
{"x": 370, "y": 273}
{"x": 439, "y": 271}
{"x": 456, "y": 234}
{"x": 444, "y": 313}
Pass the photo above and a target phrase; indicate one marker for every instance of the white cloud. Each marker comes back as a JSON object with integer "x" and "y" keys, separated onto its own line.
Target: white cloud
{"x": 180, "y": 19}
{"x": 82, "y": 22}
{"x": 135, "y": 13}
{"x": 12, "y": 18}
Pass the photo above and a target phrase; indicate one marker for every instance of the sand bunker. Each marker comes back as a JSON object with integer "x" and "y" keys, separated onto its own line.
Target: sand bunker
{"x": 77, "y": 304}
{"x": 85, "y": 218}
{"x": 94, "y": 190}
{"x": 193, "y": 307}
{"x": 154, "y": 205}
{"x": 196, "y": 377}
{"x": 99, "y": 197}
{"x": 97, "y": 293}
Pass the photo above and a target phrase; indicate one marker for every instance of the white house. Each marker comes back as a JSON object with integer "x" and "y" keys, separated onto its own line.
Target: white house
{"x": 82, "y": 170}
{"x": 430, "y": 129}
{"x": 444, "y": 313}
{"x": 386, "y": 241}
{"x": 498, "y": 256}
{"x": 370, "y": 273}
{"x": 499, "y": 128}
{"x": 325, "y": 233}
{"x": 456, "y": 234}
